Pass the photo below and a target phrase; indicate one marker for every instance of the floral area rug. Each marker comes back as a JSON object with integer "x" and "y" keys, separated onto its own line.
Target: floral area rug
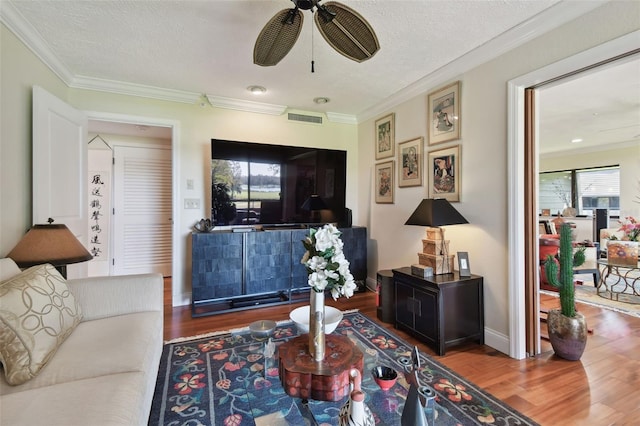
{"x": 225, "y": 379}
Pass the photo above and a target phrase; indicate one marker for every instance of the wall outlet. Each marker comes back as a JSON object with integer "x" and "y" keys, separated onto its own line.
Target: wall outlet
{"x": 191, "y": 203}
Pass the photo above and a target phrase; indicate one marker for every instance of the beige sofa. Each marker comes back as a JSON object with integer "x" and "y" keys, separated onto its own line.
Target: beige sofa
{"x": 104, "y": 371}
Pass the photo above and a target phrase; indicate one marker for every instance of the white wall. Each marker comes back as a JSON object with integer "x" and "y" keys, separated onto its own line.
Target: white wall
{"x": 484, "y": 145}
{"x": 21, "y": 69}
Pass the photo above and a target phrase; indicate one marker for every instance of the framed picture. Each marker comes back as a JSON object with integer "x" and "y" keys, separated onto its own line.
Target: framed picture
{"x": 385, "y": 137}
{"x": 444, "y": 173}
{"x": 384, "y": 182}
{"x": 464, "y": 269}
{"x": 410, "y": 163}
{"x": 544, "y": 227}
{"x": 443, "y": 112}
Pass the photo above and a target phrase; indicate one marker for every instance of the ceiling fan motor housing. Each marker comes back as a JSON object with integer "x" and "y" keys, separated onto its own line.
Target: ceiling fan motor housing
{"x": 305, "y": 4}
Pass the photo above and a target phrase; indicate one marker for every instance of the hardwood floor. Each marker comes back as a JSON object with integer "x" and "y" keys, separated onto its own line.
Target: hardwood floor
{"x": 603, "y": 388}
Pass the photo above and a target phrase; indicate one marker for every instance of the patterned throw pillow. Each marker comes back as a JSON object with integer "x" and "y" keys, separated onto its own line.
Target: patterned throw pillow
{"x": 37, "y": 313}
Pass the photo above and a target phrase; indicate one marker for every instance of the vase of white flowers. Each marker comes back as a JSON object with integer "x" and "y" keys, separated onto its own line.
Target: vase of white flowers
{"x": 327, "y": 269}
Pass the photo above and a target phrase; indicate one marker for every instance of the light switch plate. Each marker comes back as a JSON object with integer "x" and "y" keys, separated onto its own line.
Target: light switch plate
{"x": 191, "y": 203}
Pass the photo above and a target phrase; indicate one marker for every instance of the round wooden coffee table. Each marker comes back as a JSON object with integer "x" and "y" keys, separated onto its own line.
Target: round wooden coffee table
{"x": 327, "y": 380}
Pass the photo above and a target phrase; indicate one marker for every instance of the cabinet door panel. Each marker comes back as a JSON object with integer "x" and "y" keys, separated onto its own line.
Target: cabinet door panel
{"x": 466, "y": 319}
{"x": 298, "y": 271}
{"x": 268, "y": 266}
{"x": 355, "y": 251}
{"x": 426, "y": 320}
{"x": 404, "y": 304}
{"x": 216, "y": 266}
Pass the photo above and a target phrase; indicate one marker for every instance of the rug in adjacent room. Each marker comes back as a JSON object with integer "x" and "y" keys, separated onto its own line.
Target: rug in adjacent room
{"x": 226, "y": 380}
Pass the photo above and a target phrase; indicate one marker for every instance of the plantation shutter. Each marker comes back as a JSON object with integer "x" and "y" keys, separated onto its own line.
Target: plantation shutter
{"x": 143, "y": 210}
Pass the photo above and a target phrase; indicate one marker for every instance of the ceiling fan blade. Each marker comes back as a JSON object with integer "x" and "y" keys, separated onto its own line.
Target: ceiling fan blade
{"x": 277, "y": 37}
{"x": 348, "y": 32}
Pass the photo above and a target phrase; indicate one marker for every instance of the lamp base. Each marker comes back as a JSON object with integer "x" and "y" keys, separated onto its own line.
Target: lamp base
{"x": 441, "y": 264}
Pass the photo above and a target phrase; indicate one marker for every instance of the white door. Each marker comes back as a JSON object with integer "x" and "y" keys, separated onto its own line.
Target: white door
{"x": 142, "y": 210}
{"x": 60, "y": 167}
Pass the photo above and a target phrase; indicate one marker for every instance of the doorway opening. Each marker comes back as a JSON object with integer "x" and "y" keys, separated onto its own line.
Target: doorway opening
{"x": 523, "y": 171}
{"x": 156, "y": 135}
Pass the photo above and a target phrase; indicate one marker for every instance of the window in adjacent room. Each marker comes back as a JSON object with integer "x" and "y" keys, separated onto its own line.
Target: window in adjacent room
{"x": 583, "y": 189}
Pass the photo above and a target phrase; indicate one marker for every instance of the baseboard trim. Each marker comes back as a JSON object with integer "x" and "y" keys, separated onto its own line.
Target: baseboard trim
{"x": 496, "y": 340}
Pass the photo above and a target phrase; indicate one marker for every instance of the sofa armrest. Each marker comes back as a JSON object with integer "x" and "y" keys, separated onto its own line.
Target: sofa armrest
{"x": 101, "y": 297}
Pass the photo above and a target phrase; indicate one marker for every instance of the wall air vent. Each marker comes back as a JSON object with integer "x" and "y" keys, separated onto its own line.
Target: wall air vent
{"x": 305, "y": 118}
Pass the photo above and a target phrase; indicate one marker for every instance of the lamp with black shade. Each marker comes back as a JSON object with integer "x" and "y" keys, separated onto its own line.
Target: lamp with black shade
{"x": 54, "y": 244}
{"x": 434, "y": 214}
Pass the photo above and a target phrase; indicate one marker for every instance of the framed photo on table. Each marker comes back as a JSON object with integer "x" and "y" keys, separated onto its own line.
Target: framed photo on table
{"x": 385, "y": 137}
{"x": 443, "y": 114}
{"x": 444, "y": 173}
{"x": 410, "y": 169}
{"x": 464, "y": 269}
{"x": 384, "y": 182}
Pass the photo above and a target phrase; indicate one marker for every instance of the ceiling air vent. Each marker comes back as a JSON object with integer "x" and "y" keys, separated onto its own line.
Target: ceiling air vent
{"x": 305, "y": 118}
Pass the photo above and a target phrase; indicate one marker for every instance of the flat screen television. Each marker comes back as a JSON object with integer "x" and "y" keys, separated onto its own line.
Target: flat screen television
{"x": 255, "y": 183}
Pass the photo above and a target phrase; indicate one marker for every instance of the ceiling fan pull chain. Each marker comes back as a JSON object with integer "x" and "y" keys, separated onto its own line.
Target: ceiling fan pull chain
{"x": 312, "y": 53}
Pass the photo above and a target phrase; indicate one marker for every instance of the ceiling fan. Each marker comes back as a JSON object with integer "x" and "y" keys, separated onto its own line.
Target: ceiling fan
{"x": 342, "y": 27}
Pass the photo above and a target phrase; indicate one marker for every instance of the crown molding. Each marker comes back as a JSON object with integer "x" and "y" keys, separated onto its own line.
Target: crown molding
{"x": 123, "y": 88}
{"x": 545, "y": 21}
{"x": 30, "y": 37}
{"x": 247, "y": 106}
{"x": 336, "y": 117}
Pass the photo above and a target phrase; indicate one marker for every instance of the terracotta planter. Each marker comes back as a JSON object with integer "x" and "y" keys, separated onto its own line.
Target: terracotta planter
{"x": 568, "y": 336}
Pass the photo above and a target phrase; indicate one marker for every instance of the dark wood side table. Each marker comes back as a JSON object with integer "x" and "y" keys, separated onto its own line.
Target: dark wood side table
{"x": 328, "y": 380}
{"x": 440, "y": 310}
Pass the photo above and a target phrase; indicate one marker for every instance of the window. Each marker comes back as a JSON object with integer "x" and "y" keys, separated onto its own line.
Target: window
{"x": 249, "y": 186}
{"x": 555, "y": 191}
{"x": 583, "y": 189}
{"x": 599, "y": 189}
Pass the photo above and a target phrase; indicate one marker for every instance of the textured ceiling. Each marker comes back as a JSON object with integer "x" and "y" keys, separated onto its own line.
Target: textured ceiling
{"x": 601, "y": 107}
{"x": 180, "y": 50}
{"x": 207, "y": 46}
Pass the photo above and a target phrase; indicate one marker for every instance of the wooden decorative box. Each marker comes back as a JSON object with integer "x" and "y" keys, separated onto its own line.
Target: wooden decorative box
{"x": 421, "y": 271}
{"x": 435, "y": 234}
{"x": 435, "y": 246}
{"x": 437, "y": 262}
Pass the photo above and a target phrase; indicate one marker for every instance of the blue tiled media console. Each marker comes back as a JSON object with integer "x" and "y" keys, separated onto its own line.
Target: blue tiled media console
{"x": 243, "y": 270}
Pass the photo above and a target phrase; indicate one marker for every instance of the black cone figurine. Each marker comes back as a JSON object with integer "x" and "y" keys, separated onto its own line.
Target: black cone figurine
{"x": 413, "y": 412}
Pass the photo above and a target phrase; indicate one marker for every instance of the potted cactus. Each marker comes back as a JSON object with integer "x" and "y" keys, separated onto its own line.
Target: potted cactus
{"x": 567, "y": 327}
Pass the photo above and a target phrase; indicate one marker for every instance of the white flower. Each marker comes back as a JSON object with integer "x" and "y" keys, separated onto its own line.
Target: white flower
{"x": 332, "y": 275}
{"x": 326, "y": 264}
{"x": 317, "y": 263}
{"x": 343, "y": 263}
{"x": 318, "y": 281}
{"x": 324, "y": 240}
{"x": 348, "y": 288}
{"x": 335, "y": 293}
